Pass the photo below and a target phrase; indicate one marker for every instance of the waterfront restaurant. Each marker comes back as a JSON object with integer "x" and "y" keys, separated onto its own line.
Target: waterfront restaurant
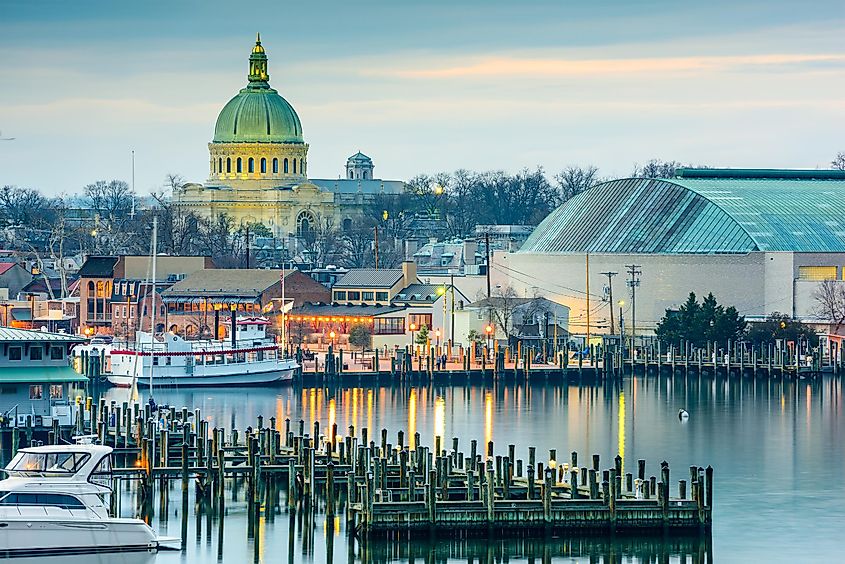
{"x": 37, "y": 383}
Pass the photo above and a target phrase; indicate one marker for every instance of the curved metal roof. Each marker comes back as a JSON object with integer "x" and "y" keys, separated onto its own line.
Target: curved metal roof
{"x": 710, "y": 214}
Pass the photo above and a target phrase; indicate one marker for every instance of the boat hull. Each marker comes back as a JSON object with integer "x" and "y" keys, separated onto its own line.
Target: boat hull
{"x": 163, "y": 379}
{"x": 20, "y": 536}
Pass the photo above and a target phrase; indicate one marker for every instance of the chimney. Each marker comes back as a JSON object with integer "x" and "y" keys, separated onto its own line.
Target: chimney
{"x": 470, "y": 248}
{"x": 409, "y": 273}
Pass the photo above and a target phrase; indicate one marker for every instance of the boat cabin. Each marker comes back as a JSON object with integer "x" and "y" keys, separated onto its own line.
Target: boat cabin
{"x": 37, "y": 383}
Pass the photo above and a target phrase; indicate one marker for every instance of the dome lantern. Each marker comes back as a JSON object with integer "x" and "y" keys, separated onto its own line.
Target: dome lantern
{"x": 258, "y": 75}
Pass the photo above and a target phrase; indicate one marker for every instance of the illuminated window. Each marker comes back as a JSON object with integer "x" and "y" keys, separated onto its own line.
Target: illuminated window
{"x": 36, "y": 392}
{"x": 817, "y": 273}
{"x": 56, "y": 391}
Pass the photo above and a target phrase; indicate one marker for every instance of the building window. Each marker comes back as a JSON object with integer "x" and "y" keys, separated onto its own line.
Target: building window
{"x": 367, "y": 296}
{"x": 347, "y": 225}
{"x": 420, "y": 319}
{"x": 388, "y": 326}
{"x": 275, "y": 166}
{"x": 15, "y": 353}
{"x": 90, "y": 288}
{"x": 220, "y": 164}
{"x": 817, "y": 273}
{"x": 101, "y": 289}
{"x": 339, "y": 295}
{"x": 36, "y": 353}
{"x": 228, "y": 165}
{"x": 351, "y": 175}
{"x": 36, "y": 392}
{"x": 240, "y": 165}
{"x": 365, "y": 175}
{"x": 250, "y": 165}
{"x": 56, "y": 391}
{"x": 263, "y": 166}
{"x": 302, "y": 166}
{"x": 286, "y": 166}
{"x": 304, "y": 223}
{"x": 381, "y": 296}
{"x": 354, "y": 295}
{"x": 294, "y": 166}
{"x": 57, "y": 353}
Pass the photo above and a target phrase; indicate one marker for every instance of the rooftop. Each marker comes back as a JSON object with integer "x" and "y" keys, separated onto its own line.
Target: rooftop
{"x": 230, "y": 282}
{"x": 98, "y": 267}
{"x": 370, "y": 278}
{"x": 7, "y": 335}
{"x": 344, "y": 310}
{"x": 701, "y": 211}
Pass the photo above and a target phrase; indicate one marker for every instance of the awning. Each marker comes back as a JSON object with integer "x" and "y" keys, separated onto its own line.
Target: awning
{"x": 40, "y": 375}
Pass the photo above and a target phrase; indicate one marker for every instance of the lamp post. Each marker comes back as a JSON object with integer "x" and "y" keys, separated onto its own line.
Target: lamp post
{"x": 332, "y": 335}
{"x": 437, "y": 335}
{"x": 412, "y": 327}
{"x": 6, "y": 307}
{"x": 621, "y": 303}
{"x": 489, "y": 331}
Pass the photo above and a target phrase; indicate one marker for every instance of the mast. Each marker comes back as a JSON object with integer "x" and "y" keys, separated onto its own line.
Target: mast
{"x": 284, "y": 336}
{"x": 154, "y": 246}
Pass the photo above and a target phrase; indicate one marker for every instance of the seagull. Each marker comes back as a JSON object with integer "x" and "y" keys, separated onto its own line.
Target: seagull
{"x": 683, "y": 414}
{"x": 5, "y": 138}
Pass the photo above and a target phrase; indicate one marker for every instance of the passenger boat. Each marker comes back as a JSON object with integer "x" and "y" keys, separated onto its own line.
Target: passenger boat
{"x": 55, "y": 502}
{"x": 252, "y": 357}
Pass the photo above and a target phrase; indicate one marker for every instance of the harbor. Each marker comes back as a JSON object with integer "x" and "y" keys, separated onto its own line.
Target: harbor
{"x": 584, "y": 418}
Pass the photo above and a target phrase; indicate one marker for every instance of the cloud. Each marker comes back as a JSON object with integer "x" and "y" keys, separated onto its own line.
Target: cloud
{"x": 502, "y": 67}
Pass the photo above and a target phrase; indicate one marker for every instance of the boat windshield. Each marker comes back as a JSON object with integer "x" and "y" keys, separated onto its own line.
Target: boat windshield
{"x": 46, "y": 464}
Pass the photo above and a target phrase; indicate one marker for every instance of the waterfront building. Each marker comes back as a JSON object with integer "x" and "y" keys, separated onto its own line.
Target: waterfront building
{"x": 37, "y": 382}
{"x": 194, "y": 304}
{"x": 760, "y": 240}
{"x": 13, "y": 278}
{"x": 530, "y": 321}
{"x": 258, "y": 167}
{"x": 114, "y": 288}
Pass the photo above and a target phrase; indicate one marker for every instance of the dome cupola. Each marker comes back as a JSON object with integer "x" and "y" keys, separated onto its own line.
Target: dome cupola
{"x": 258, "y": 114}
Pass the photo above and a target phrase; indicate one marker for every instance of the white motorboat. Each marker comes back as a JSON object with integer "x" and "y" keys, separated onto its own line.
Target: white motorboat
{"x": 55, "y": 502}
{"x": 253, "y": 358}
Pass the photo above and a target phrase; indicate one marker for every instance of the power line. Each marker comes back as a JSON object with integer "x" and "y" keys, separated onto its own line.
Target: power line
{"x": 610, "y": 276}
{"x": 634, "y": 271}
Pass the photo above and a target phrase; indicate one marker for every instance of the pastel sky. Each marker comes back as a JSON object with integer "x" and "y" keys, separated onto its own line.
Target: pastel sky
{"x": 422, "y": 86}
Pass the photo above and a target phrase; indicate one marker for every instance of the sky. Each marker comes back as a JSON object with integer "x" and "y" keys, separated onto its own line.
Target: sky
{"x": 421, "y": 87}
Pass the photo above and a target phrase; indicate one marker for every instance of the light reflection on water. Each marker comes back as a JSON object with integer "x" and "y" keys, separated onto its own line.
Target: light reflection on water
{"x": 777, "y": 449}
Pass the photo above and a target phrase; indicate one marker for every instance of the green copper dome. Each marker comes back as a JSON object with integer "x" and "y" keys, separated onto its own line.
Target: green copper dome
{"x": 258, "y": 114}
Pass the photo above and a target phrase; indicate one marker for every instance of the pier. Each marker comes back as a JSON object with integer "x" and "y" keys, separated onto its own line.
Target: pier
{"x": 387, "y": 485}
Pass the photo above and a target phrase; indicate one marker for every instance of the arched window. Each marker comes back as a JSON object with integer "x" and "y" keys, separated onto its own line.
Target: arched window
{"x": 275, "y": 166}
{"x": 220, "y": 165}
{"x": 302, "y": 166}
{"x": 286, "y": 166}
{"x": 90, "y": 288}
{"x": 101, "y": 290}
{"x": 365, "y": 175}
{"x": 305, "y": 223}
{"x": 263, "y": 166}
{"x": 351, "y": 175}
{"x": 294, "y": 166}
{"x": 250, "y": 165}
{"x": 229, "y": 165}
{"x": 240, "y": 165}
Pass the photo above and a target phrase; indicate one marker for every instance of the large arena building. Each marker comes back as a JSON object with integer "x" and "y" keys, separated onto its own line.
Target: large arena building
{"x": 761, "y": 240}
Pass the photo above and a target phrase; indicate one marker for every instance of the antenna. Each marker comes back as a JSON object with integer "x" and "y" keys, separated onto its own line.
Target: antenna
{"x": 132, "y": 213}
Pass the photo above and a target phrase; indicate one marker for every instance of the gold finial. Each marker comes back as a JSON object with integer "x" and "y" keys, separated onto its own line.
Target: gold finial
{"x": 258, "y": 48}
{"x": 258, "y": 38}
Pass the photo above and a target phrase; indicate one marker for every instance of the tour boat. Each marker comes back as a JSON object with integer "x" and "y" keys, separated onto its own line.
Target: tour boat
{"x": 252, "y": 357}
{"x": 55, "y": 502}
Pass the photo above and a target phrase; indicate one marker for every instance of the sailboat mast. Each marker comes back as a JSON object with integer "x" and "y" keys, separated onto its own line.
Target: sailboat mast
{"x": 154, "y": 246}
{"x": 284, "y": 337}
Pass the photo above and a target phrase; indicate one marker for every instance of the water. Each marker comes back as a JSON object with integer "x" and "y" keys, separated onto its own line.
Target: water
{"x": 778, "y": 451}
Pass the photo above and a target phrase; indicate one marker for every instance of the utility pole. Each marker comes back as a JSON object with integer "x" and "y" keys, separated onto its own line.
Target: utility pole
{"x": 452, "y": 287}
{"x": 587, "y": 344}
{"x": 634, "y": 272}
{"x": 375, "y": 246}
{"x": 610, "y": 302}
{"x": 132, "y": 212}
{"x": 487, "y": 251}
{"x": 247, "y": 246}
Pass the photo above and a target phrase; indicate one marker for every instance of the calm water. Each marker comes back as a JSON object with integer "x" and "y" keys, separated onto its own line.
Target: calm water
{"x": 778, "y": 452}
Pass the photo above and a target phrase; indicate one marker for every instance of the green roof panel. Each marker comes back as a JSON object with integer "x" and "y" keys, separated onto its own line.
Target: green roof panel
{"x": 43, "y": 374}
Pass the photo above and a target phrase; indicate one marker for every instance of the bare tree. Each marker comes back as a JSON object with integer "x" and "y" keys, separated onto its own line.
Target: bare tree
{"x": 322, "y": 241}
{"x": 21, "y": 206}
{"x": 500, "y": 308}
{"x": 656, "y": 168}
{"x": 357, "y": 247}
{"x": 838, "y": 162}
{"x": 830, "y": 303}
{"x": 573, "y": 180}
{"x": 112, "y": 204}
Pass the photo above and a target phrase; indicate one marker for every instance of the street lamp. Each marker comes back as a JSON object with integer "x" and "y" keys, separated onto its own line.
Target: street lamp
{"x": 332, "y": 335}
{"x": 489, "y": 331}
{"x": 437, "y": 335}
{"x": 412, "y": 327}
